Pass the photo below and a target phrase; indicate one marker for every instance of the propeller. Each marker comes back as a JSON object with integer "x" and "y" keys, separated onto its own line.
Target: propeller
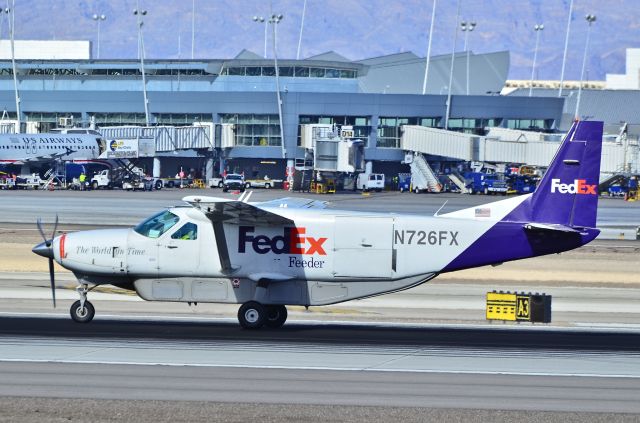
{"x": 45, "y": 249}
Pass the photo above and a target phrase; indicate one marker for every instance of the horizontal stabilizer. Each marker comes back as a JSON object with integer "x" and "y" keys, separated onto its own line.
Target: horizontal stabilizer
{"x": 549, "y": 227}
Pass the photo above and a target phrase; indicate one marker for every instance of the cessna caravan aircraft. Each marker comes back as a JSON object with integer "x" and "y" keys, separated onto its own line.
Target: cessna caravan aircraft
{"x": 268, "y": 255}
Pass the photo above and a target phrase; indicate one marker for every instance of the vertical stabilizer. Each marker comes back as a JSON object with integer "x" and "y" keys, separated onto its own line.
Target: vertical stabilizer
{"x": 568, "y": 193}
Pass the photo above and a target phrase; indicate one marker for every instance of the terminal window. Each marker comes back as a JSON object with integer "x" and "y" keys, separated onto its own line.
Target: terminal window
{"x": 254, "y": 130}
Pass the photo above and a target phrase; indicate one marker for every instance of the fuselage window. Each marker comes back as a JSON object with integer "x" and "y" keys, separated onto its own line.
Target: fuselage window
{"x": 157, "y": 225}
{"x": 188, "y": 232}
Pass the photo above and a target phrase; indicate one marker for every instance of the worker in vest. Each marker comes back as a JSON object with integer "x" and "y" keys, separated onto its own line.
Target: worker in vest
{"x": 83, "y": 179}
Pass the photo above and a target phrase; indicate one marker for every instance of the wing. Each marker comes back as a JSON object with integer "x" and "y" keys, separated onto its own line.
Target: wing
{"x": 236, "y": 212}
{"x": 294, "y": 203}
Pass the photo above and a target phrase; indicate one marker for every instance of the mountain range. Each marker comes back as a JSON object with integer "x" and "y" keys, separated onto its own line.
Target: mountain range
{"x": 356, "y": 29}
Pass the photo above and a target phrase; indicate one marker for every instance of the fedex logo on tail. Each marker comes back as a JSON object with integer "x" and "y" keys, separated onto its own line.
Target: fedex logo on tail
{"x": 579, "y": 186}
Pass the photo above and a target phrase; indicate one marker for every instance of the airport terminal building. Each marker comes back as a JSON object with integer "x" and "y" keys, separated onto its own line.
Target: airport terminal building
{"x": 375, "y": 96}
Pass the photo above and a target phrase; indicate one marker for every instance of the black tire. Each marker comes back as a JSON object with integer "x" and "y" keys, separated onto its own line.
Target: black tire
{"x": 276, "y": 316}
{"x": 252, "y": 315}
{"x": 170, "y": 184}
{"x": 267, "y": 186}
{"x": 247, "y": 185}
{"x": 82, "y": 316}
{"x": 416, "y": 190}
{"x": 158, "y": 185}
{"x": 94, "y": 185}
{"x": 486, "y": 191}
{"x": 220, "y": 184}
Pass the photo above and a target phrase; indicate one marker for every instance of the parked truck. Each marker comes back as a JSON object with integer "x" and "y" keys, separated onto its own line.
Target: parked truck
{"x": 486, "y": 183}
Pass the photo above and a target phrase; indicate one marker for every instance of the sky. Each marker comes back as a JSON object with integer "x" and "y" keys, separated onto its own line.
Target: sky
{"x": 356, "y": 29}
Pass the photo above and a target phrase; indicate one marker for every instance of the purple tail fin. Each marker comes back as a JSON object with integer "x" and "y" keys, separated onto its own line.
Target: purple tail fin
{"x": 568, "y": 193}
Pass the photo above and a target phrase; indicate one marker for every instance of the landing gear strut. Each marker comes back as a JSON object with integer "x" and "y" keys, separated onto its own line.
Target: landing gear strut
{"x": 253, "y": 315}
{"x": 82, "y": 311}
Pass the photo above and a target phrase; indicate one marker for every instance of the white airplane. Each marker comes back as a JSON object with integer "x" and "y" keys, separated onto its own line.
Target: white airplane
{"x": 22, "y": 149}
{"x": 298, "y": 252}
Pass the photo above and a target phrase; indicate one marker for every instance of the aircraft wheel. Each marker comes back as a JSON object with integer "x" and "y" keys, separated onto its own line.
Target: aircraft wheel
{"x": 82, "y": 315}
{"x": 252, "y": 315}
{"x": 276, "y": 316}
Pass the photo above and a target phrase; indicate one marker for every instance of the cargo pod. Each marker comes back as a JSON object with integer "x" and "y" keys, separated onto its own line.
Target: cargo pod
{"x": 362, "y": 247}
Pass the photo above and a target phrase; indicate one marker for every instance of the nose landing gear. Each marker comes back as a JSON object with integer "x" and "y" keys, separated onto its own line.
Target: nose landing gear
{"x": 253, "y": 315}
{"x": 82, "y": 311}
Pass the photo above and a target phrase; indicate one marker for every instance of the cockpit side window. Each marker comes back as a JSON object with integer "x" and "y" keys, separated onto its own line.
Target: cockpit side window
{"x": 157, "y": 225}
{"x": 188, "y": 232}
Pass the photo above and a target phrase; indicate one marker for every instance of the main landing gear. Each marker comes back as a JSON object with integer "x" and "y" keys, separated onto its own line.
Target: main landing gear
{"x": 82, "y": 311}
{"x": 253, "y": 315}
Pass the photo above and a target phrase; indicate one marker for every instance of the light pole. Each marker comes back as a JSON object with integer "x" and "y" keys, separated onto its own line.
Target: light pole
{"x": 467, "y": 28}
{"x": 453, "y": 54}
{"x": 12, "y": 22}
{"x": 304, "y": 10}
{"x": 275, "y": 20}
{"x": 139, "y": 15}
{"x": 193, "y": 28}
{"x": 590, "y": 19}
{"x": 538, "y": 29}
{"x": 260, "y": 19}
{"x": 99, "y": 19}
{"x": 426, "y": 68}
{"x": 566, "y": 44}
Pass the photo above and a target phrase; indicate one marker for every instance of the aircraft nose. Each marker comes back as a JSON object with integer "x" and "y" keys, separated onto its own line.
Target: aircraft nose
{"x": 43, "y": 250}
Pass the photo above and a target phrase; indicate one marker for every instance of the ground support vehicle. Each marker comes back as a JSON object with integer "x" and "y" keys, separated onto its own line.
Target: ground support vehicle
{"x": 486, "y": 183}
{"x": 520, "y": 184}
{"x": 216, "y": 182}
{"x": 177, "y": 182}
{"x": 263, "y": 183}
{"x": 233, "y": 181}
{"x": 370, "y": 182}
{"x": 404, "y": 182}
{"x": 32, "y": 181}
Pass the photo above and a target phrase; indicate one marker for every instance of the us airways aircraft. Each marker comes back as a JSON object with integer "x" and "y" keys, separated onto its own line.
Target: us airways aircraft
{"x": 22, "y": 149}
{"x": 268, "y": 255}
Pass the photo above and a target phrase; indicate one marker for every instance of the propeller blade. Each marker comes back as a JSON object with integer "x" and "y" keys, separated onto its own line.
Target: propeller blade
{"x": 39, "y": 225}
{"x": 55, "y": 228}
{"x": 53, "y": 282}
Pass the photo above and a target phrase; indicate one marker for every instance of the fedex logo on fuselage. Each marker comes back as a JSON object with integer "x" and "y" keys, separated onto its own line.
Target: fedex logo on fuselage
{"x": 292, "y": 241}
{"x": 579, "y": 186}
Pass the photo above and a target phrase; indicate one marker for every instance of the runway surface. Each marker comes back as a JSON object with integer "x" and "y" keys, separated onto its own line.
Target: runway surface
{"x": 414, "y": 356}
{"x": 128, "y": 208}
{"x": 303, "y": 363}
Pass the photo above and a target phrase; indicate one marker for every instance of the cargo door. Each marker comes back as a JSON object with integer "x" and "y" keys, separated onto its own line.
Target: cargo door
{"x": 363, "y": 247}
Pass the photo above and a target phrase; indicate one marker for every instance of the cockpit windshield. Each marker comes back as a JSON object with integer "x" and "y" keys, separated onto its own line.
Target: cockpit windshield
{"x": 156, "y": 225}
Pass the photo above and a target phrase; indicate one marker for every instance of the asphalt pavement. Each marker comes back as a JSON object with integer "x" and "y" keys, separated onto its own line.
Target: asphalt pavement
{"x": 119, "y": 207}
